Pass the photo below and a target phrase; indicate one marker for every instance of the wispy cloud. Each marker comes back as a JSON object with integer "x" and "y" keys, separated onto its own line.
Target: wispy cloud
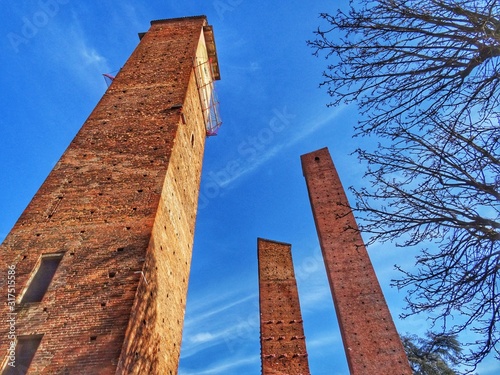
{"x": 89, "y": 55}
{"x": 225, "y": 320}
{"x": 202, "y": 337}
{"x": 208, "y": 307}
{"x": 72, "y": 52}
{"x": 326, "y": 340}
{"x": 229, "y": 366}
{"x": 194, "y": 344}
{"x": 314, "y": 297}
{"x": 266, "y": 156}
{"x": 231, "y": 335}
{"x": 133, "y": 13}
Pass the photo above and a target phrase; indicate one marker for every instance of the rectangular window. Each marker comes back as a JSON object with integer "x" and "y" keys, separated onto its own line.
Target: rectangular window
{"x": 26, "y": 347}
{"x": 40, "y": 281}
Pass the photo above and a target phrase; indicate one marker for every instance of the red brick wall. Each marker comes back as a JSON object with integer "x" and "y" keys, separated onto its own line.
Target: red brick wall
{"x": 283, "y": 346}
{"x": 371, "y": 342}
{"x": 122, "y": 199}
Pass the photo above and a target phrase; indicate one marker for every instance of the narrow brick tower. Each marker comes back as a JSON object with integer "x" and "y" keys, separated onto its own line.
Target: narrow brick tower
{"x": 371, "y": 342}
{"x": 283, "y": 346}
{"x": 101, "y": 255}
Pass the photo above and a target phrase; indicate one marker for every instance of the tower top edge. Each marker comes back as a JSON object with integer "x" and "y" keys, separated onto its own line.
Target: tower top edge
{"x": 207, "y": 32}
{"x": 260, "y": 239}
{"x": 166, "y": 20}
{"x": 318, "y": 151}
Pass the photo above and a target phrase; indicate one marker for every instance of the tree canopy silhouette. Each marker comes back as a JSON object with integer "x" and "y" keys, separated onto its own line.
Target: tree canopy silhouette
{"x": 434, "y": 355}
{"x": 425, "y": 75}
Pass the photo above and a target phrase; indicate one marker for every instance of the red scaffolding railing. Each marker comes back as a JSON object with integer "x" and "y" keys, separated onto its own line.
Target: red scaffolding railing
{"x": 208, "y": 97}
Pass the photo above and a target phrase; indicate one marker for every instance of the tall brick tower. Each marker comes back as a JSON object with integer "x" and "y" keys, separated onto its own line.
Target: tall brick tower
{"x": 283, "y": 346}
{"x": 371, "y": 342}
{"x": 101, "y": 255}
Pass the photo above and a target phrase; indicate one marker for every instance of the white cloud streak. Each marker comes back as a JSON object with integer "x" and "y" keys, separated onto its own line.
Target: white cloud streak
{"x": 324, "y": 341}
{"x": 72, "y": 52}
{"x": 265, "y": 157}
{"x": 228, "y": 366}
{"x": 210, "y": 323}
{"x": 209, "y": 307}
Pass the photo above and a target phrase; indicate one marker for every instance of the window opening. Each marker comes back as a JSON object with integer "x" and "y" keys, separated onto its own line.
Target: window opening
{"x": 26, "y": 347}
{"x": 40, "y": 281}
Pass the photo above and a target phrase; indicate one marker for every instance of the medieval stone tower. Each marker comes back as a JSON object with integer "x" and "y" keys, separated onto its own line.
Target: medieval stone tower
{"x": 371, "y": 342}
{"x": 100, "y": 258}
{"x": 282, "y": 340}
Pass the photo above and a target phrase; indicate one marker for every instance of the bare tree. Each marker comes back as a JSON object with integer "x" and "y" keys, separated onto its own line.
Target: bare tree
{"x": 441, "y": 185}
{"x": 412, "y": 59}
{"x": 425, "y": 75}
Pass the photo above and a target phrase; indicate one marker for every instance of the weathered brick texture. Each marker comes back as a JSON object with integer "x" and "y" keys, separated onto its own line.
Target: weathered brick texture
{"x": 121, "y": 204}
{"x": 371, "y": 342}
{"x": 283, "y": 346}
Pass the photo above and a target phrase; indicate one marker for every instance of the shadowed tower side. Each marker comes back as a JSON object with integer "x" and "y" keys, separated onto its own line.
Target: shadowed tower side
{"x": 283, "y": 346}
{"x": 371, "y": 342}
{"x": 102, "y": 253}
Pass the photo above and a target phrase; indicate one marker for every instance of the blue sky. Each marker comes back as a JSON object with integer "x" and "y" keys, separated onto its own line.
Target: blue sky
{"x": 53, "y": 54}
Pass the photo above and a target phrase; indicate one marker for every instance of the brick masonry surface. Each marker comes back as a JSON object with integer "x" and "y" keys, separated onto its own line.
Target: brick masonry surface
{"x": 371, "y": 342}
{"x": 121, "y": 205}
{"x": 283, "y": 346}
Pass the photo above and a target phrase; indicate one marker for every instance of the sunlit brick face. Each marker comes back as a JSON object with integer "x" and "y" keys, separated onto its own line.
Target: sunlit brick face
{"x": 283, "y": 346}
{"x": 121, "y": 205}
{"x": 371, "y": 342}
